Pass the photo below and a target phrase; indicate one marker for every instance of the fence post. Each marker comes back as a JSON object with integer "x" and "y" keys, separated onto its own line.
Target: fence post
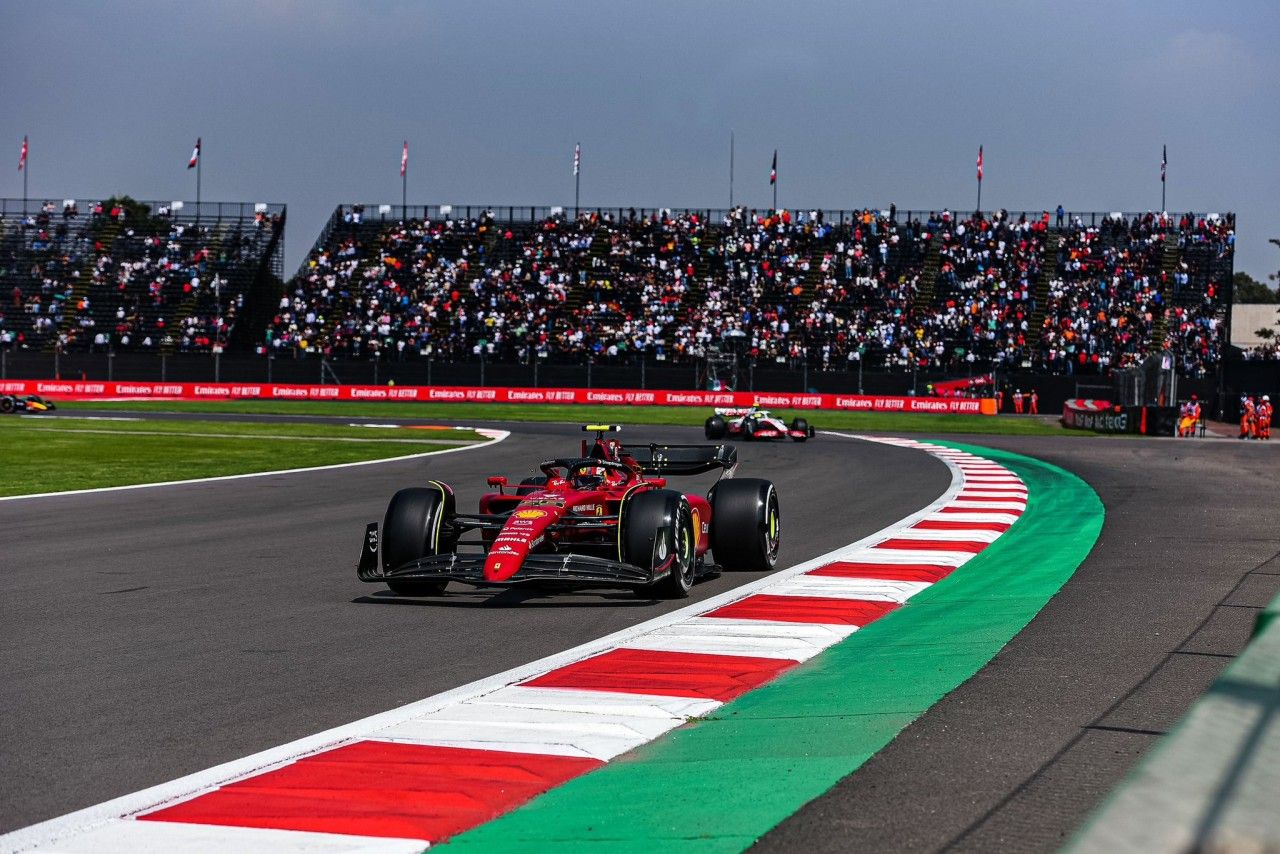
{"x": 535, "y": 370}
{"x": 111, "y": 360}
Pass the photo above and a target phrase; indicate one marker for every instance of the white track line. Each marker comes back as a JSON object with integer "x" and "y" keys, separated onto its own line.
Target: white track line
{"x": 495, "y": 436}
{"x": 381, "y": 726}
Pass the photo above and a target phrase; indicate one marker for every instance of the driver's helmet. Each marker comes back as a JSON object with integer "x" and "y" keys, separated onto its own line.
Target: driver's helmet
{"x": 589, "y": 479}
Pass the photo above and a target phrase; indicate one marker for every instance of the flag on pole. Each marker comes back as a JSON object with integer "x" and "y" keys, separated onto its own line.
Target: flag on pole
{"x": 404, "y": 159}
{"x": 773, "y": 170}
{"x": 1164, "y": 161}
{"x": 22, "y": 156}
{"x": 195, "y": 155}
{"x": 979, "y": 163}
{"x": 577, "y": 158}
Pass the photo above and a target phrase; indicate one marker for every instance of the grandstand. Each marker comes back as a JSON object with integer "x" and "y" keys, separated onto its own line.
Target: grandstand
{"x": 891, "y": 290}
{"x": 128, "y": 276}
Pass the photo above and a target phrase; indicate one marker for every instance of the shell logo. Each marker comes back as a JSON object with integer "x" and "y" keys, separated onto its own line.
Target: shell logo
{"x": 530, "y": 513}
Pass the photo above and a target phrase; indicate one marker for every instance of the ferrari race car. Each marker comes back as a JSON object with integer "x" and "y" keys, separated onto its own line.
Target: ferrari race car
{"x": 755, "y": 423}
{"x": 604, "y": 518}
{"x": 25, "y": 403}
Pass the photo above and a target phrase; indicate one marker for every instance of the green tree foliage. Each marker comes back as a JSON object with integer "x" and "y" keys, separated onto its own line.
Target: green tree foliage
{"x": 1249, "y": 289}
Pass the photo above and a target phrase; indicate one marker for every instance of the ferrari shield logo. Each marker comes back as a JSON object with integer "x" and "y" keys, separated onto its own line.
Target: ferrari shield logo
{"x": 530, "y": 513}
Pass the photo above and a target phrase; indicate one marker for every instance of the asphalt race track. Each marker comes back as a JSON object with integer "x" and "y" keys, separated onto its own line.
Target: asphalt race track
{"x": 155, "y": 632}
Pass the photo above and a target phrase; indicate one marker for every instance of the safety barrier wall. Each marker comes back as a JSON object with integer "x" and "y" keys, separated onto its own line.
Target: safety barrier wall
{"x": 90, "y": 390}
{"x": 1102, "y": 417}
{"x": 1212, "y": 783}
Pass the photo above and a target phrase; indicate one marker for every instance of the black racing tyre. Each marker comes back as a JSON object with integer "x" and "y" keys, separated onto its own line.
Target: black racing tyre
{"x": 656, "y": 527}
{"x": 746, "y": 525}
{"x": 716, "y": 427}
{"x": 413, "y": 528}
{"x": 7, "y": 404}
{"x": 801, "y": 425}
{"x": 531, "y": 485}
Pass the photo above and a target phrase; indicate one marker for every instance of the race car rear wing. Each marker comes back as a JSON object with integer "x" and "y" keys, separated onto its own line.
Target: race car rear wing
{"x": 666, "y": 460}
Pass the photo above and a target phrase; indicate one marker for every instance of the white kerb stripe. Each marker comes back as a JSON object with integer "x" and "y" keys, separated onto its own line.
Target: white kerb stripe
{"x": 1009, "y": 504}
{"x": 892, "y": 557}
{"x": 711, "y": 635}
{"x": 837, "y": 587}
{"x": 976, "y": 535}
{"x": 608, "y": 702}
{"x": 556, "y": 732}
{"x": 126, "y": 836}
{"x": 1008, "y": 518}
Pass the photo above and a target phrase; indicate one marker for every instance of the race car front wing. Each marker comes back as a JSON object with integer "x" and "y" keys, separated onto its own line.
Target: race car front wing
{"x": 468, "y": 568}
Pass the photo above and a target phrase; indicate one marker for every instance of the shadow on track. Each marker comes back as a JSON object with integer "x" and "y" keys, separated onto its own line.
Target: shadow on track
{"x": 511, "y": 598}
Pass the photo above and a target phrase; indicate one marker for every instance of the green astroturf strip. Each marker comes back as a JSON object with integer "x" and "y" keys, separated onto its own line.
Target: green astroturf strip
{"x": 38, "y": 456}
{"x": 719, "y": 783}
{"x": 692, "y": 416}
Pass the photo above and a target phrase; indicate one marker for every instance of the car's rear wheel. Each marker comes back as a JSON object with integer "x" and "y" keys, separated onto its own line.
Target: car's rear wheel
{"x": 656, "y": 532}
{"x": 415, "y": 527}
{"x": 746, "y": 524}
{"x": 6, "y": 404}
{"x": 801, "y": 425}
{"x": 716, "y": 427}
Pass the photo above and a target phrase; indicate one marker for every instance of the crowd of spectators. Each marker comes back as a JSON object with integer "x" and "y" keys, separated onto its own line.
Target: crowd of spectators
{"x": 122, "y": 278}
{"x": 780, "y": 287}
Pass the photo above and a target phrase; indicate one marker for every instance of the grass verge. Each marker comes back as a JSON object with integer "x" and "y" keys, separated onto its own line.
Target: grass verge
{"x": 56, "y": 454}
{"x": 674, "y": 415}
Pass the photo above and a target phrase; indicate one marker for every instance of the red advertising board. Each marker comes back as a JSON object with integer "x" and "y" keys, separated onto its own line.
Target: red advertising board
{"x": 95, "y": 390}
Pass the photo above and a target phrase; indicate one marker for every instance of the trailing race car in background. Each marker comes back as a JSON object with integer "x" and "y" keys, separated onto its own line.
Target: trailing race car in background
{"x": 25, "y": 403}
{"x": 603, "y": 518}
{"x": 755, "y": 423}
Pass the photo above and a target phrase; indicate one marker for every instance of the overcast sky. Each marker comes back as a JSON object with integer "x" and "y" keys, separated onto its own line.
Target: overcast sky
{"x": 307, "y": 103}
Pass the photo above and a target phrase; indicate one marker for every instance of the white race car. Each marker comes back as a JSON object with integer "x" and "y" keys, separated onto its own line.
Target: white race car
{"x": 755, "y": 423}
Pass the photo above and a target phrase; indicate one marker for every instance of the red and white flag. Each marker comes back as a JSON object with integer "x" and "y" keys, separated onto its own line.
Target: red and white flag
{"x": 577, "y": 158}
{"x": 979, "y": 163}
{"x": 22, "y": 156}
{"x": 195, "y": 155}
{"x": 773, "y": 170}
{"x": 404, "y": 159}
{"x": 1164, "y": 161}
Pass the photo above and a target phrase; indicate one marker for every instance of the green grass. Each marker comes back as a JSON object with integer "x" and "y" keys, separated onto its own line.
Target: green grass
{"x": 55, "y": 454}
{"x": 571, "y": 413}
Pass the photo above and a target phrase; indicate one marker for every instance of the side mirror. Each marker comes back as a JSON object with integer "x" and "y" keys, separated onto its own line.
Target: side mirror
{"x": 498, "y": 481}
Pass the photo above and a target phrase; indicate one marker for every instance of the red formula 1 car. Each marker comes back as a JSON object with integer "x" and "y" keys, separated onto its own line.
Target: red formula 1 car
{"x": 603, "y": 518}
{"x": 755, "y": 423}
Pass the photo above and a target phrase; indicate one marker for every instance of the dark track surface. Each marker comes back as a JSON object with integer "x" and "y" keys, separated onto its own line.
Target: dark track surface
{"x": 1016, "y": 758}
{"x": 147, "y": 634}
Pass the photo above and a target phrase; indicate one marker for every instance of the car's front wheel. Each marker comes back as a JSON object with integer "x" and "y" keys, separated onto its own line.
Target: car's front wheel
{"x": 413, "y": 528}
{"x": 657, "y": 534}
{"x": 746, "y": 524}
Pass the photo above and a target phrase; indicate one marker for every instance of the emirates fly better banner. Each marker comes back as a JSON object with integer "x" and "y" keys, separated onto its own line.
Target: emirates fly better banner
{"x": 90, "y": 390}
